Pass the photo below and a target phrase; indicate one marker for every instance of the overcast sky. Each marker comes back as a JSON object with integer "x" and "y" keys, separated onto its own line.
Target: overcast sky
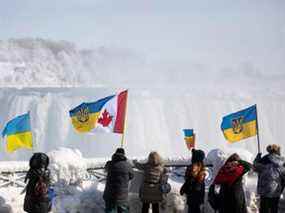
{"x": 214, "y": 30}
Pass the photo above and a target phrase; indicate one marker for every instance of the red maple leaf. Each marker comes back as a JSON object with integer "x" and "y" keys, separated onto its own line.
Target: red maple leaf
{"x": 106, "y": 119}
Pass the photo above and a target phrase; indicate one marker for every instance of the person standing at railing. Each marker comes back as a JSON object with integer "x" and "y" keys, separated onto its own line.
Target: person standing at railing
{"x": 119, "y": 173}
{"x": 194, "y": 186}
{"x": 37, "y": 199}
{"x": 150, "y": 190}
{"x": 271, "y": 178}
{"x": 230, "y": 178}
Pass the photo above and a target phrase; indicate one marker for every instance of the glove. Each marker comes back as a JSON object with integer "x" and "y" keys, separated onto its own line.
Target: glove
{"x": 258, "y": 156}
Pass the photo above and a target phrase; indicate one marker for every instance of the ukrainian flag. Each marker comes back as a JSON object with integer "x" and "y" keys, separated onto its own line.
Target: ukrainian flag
{"x": 189, "y": 138}
{"x": 85, "y": 116}
{"x": 18, "y": 132}
{"x": 240, "y": 125}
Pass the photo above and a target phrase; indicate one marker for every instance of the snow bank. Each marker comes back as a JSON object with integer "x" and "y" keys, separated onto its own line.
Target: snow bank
{"x": 67, "y": 166}
{"x": 11, "y": 200}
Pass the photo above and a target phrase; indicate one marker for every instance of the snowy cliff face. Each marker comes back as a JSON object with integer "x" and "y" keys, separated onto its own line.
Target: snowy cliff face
{"x": 49, "y": 78}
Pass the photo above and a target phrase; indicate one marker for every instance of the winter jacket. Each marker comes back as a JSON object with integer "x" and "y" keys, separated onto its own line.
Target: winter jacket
{"x": 194, "y": 186}
{"x": 34, "y": 203}
{"x": 119, "y": 173}
{"x": 232, "y": 194}
{"x": 271, "y": 175}
{"x": 150, "y": 188}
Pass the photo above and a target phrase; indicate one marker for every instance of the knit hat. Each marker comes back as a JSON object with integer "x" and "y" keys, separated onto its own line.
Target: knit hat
{"x": 120, "y": 151}
{"x": 197, "y": 155}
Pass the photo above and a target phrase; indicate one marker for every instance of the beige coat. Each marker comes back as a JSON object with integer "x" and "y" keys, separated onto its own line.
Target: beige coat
{"x": 150, "y": 188}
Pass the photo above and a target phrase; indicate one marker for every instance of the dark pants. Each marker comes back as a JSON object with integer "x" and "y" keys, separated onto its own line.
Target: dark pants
{"x": 194, "y": 209}
{"x": 116, "y": 207}
{"x": 269, "y": 205}
{"x": 155, "y": 207}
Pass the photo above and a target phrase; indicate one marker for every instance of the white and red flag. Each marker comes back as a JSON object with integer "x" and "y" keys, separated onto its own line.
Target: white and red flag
{"x": 107, "y": 114}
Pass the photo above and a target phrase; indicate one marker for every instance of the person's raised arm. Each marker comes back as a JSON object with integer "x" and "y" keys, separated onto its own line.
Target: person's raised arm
{"x": 139, "y": 166}
{"x": 257, "y": 165}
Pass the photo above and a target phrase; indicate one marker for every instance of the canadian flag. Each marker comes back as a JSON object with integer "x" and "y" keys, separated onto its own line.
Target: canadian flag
{"x": 112, "y": 114}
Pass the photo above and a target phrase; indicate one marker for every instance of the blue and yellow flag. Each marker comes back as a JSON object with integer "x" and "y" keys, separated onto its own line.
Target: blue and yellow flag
{"x": 85, "y": 116}
{"x": 240, "y": 125}
{"x": 189, "y": 138}
{"x": 18, "y": 132}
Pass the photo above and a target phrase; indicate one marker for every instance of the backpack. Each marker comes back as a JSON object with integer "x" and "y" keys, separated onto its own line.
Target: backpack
{"x": 214, "y": 198}
{"x": 41, "y": 188}
{"x": 39, "y": 160}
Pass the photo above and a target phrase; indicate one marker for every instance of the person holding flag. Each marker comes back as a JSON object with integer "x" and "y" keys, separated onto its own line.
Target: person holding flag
{"x": 271, "y": 178}
{"x": 194, "y": 185}
{"x": 119, "y": 174}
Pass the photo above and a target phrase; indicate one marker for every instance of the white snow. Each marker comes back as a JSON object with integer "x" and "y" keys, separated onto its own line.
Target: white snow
{"x": 67, "y": 166}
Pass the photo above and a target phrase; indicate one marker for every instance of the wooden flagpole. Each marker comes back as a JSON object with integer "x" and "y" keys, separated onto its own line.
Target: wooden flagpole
{"x": 257, "y": 129}
{"x": 125, "y": 123}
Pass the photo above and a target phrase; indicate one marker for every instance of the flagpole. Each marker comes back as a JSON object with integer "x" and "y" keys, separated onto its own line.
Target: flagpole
{"x": 125, "y": 123}
{"x": 257, "y": 128}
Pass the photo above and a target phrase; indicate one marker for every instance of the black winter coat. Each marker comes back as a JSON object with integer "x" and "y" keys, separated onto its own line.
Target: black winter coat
{"x": 232, "y": 195}
{"x": 194, "y": 187}
{"x": 32, "y": 202}
{"x": 119, "y": 173}
{"x": 233, "y": 198}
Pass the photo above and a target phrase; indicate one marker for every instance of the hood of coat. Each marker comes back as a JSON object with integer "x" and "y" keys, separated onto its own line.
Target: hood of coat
{"x": 276, "y": 159}
{"x": 118, "y": 157}
{"x": 197, "y": 156}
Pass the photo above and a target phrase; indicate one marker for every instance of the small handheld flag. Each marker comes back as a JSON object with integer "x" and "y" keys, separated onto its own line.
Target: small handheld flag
{"x": 189, "y": 138}
{"x": 18, "y": 132}
{"x": 107, "y": 114}
{"x": 240, "y": 125}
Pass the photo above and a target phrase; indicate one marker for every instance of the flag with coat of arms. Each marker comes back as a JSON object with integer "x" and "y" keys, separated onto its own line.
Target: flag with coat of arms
{"x": 107, "y": 114}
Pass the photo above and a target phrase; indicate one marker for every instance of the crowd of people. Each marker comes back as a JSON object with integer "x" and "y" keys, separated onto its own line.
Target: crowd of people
{"x": 225, "y": 195}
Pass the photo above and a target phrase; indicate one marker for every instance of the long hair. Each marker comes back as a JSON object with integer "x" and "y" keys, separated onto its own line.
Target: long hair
{"x": 154, "y": 159}
{"x": 196, "y": 168}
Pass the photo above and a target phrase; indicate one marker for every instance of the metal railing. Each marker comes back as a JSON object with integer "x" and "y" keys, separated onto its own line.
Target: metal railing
{"x": 16, "y": 178}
